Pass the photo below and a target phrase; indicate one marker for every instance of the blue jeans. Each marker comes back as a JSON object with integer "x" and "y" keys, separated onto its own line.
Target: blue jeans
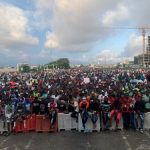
{"x": 84, "y": 117}
{"x": 139, "y": 118}
{"x": 94, "y": 117}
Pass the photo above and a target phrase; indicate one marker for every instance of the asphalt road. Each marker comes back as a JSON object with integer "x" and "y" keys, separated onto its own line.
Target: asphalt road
{"x": 73, "y": 140}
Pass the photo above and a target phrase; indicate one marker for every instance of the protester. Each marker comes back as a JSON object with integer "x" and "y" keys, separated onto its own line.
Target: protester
{"x": 116, "y": 112}
{"x": 52, "y": 111}
{"x": 114, "y": 91}
{"x": 84, "y": 106}
{"x": 105, "y": 109}
{"x": 94, "y": 108}
{"x": 139, "y": 108}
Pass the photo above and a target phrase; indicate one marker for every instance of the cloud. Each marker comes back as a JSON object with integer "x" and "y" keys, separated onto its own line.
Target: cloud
{"x": 51, "y": 41}
{"x": 76, "y": 28}
{"x": 109, "y": 57}
{"x": 77, "y": 24}
{"x": 120, "y": 14}
{"x": 139, "y": 12}
{"x": 14, "y": 29}
{"x": 43, "y": 14}
{"x": 14, "y": 57}
{"x": 133, "y": 47}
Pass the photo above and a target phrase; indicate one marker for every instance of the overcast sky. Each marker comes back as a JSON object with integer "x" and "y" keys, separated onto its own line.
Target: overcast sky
{"x": 40, "y": 31}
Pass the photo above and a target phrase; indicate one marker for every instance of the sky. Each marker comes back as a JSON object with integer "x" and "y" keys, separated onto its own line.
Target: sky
{"x": 85, "y": 32}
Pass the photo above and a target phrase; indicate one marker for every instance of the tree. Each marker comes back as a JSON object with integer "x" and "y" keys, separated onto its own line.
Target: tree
{"x": 62, "y": 63}
{"x": 24, "y": 68}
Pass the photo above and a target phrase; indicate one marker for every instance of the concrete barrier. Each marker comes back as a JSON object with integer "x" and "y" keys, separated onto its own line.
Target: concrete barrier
{"x": 89, "y": 125}
{"x": 147, "y": 121}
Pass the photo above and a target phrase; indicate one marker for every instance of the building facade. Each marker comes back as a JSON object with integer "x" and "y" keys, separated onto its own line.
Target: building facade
{"x": 138, "y": 60}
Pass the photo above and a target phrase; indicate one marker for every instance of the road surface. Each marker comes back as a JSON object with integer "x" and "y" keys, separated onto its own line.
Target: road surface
{"x": 73, "y": 140}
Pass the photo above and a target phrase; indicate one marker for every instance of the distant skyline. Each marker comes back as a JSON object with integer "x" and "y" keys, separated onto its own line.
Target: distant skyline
{"x": 40, "y": 31}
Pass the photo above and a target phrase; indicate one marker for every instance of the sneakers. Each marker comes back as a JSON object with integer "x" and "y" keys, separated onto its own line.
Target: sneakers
{"x": 141, "y": 130}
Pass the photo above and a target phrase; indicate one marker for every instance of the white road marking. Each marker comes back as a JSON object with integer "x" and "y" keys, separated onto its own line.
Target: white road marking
{"x": 147, "y": 134}
{"x": 126, "y": 141}
{"x": 28, "y": 145}
{"x": 15, "y": 146}
{"x": 143, "y": 147}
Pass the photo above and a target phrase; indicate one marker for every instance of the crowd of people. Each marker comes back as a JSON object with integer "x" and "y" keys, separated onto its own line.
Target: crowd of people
{"x": 111, "y": 93}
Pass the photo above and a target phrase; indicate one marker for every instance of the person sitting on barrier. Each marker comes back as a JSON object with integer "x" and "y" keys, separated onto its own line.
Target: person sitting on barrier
{"x": 52, "y": 111}
{"x": 116, "y": 111}
{"x": 139, "y": 109}
{"x": 73, "y": 107}
{"x": 35, "y": 106}
{"x": 43, "y": 107}
{"x": 62, "y": 106}
{"x": 94, "y": 108}
{"x": 84, "y": 106}
{"x": 9, "y": 110}
{"x": 105, "y": 108}
{"x": 27, "y": 105}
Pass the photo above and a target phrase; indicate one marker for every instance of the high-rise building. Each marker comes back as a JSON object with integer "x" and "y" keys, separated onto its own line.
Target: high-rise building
{"x": 139, "y": 59}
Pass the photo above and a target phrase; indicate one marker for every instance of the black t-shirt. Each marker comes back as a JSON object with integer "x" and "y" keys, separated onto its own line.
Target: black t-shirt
{"x": 70, "y": 108}
{"x": 36, "y": 107}
{"x": 20, "y": 109}
{"x": 94, "y": 105}
{"x": 139, "y": 106}
{"x": 61, "y": 106}
{"x": 43, "y": 108}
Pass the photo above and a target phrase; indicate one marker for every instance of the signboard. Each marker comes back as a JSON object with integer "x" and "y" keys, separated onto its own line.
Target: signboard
{"x": 86, "y": 80}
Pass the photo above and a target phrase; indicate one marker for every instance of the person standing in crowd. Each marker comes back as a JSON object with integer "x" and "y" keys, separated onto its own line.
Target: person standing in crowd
{"x": 52, "y": 112}
{"x": 94, "y": 109}
{"x": 139, "y": 109}
{"x": 2, "y": 113}
{"x": 9, "y": 111}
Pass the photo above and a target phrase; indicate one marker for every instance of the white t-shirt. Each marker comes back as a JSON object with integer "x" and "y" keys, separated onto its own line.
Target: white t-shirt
{"x": 76, "y": 105}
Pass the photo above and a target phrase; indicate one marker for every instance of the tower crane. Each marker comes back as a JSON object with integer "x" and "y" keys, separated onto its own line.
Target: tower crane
{"x": 143, "y": 29}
